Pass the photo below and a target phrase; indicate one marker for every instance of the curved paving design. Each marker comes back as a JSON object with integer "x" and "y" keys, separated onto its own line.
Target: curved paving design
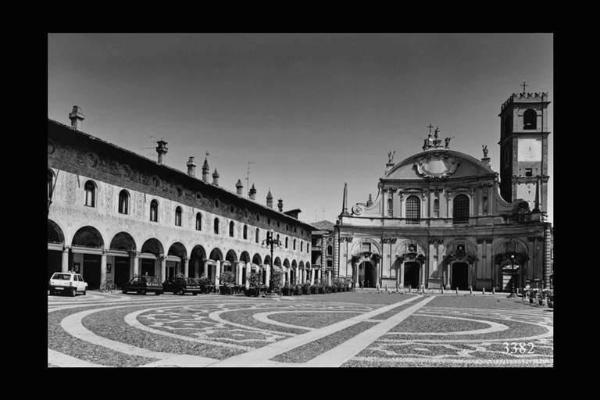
{"x": 348, "y": 330}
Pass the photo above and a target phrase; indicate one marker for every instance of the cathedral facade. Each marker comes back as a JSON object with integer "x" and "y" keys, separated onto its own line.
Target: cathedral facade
{"x": 445, "y": 219}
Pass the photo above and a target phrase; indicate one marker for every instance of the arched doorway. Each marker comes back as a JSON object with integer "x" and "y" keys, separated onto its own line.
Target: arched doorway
{"x": 367, "y": 276}
{"x": 459, "y": 276}
{"x": 197, "y": 259}
{"x": 256, "y": 260}
{"x": 87, "y": 248}
{"x": 176, "y": 258}
{"x": 56, "y": 241}
{"x": 412, "y": 272}
{"x": 215, "y": 255}
{"x": 120, "y": 245}
{"x": 152, "y": 249}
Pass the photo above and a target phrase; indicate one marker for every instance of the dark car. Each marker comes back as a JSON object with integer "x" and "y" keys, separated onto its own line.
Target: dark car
{"x": 143, "y": 284}
{"x": 182, "y": 285}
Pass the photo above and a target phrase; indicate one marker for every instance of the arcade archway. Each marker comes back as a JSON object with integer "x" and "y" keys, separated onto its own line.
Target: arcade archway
{"x": 87, "y": 247}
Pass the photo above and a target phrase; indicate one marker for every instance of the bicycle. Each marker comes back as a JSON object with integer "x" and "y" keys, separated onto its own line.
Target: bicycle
{"x": 109, "y": 286}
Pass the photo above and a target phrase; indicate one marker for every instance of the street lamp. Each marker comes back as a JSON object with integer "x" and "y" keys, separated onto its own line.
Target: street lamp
{"x": 512, "y": 265}
{"x": 271, "y": 242}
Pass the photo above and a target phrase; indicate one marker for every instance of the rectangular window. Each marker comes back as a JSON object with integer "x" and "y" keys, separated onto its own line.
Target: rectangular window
{"x": 528, "y": 172}
{"x": 366, "y": 247}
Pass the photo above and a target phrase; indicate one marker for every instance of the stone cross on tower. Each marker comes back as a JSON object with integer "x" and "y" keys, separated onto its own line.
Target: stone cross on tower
{"x": 524, "y": 86}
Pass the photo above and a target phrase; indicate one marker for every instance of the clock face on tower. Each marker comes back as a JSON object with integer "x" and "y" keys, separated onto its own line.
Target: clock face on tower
{"x": 530, "y": 150}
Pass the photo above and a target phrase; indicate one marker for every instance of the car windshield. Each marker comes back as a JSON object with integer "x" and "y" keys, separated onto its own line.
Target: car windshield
{"x": 62, "y": 277}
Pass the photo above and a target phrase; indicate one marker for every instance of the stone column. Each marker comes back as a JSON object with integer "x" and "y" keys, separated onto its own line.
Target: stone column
{"x": 547, "y": 257}
{"x": 480, "y": 200}
{"x": 248, "y": 271}
{"x": 491, "y": 200}
{"x": 205, "y": 270}
{"x": 425, "y": 208}
{"x": 186, "y": 267}
{"x": 430, "y": 258}
{"x": 163, "y": 267}
{"x": 135, "y": 263}
{"x": 401, "y": 272}
{"x": 312, "y": 276}
{"x": 65, "y": 260}
{"x": 103, "y": 269}
{"x": 401, "y": 213}
{"x": 217, "y": 272}
{"x": 267, "y": 269}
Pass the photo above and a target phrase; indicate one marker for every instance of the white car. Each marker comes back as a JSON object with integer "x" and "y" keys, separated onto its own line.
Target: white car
{"x": 67, "y": 282}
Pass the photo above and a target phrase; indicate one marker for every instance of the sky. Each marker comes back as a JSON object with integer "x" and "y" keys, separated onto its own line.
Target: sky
{"x": 303, "y": 113}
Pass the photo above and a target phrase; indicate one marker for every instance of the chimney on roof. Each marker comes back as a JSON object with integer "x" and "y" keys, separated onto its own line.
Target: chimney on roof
{"x": 75, "y": 116}
{"x": 239, "y": 187}
{"x": 269, "y": 199}
{"x": 191, "y": 167}
{"x": 205, "y": 171}
{"x": 216, "y": 178}
{"x": 161, "y": 149}
{"x": 252, "y": 193}
{"x": 280, "y": 205}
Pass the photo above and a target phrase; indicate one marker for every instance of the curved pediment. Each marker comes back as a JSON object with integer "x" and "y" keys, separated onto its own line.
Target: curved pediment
{"x": 439, "y": 164}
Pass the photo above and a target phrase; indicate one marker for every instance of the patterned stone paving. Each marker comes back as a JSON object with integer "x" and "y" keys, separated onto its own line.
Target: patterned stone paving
{"x": 336, "y": 330}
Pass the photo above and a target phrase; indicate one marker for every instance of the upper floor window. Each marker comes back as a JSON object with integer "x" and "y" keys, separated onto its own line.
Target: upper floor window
{"x": 257, "y": 235}
{"x": 90, "y": 194}
{"x": 301, "y": 245}
{"x": 198, "y": 222}
{"x": 286, "y": 243}
{"x": 460, "y": 209}
{"x": 529, "y": 119}
{"x": 278, "y": 238}
{"x": 216, "y": 225}
{"x": 329, "y": 250}
{"x": 154, "y": 211}
{"x": 294, "y": 244}
{"x": 436, "y": 208}
{"x": 485, "y": 204}
{"x": 50, "y": 179}
{"x": 390, "y": 207}
{"x": 124, "y": 202}
{"x": 413, "y": 210}
{"x": 178, "y": 216}
{"x": 231, "y": 226}
{"x": 245, "y": 231}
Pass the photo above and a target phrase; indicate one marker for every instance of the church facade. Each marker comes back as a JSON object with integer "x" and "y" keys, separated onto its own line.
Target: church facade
{"x": 444, "y": 219}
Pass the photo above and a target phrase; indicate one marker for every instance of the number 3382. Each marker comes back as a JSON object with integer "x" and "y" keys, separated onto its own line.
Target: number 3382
{"x": 518, "y": 347}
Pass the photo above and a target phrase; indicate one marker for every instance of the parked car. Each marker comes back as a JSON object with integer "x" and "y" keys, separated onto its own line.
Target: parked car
{"x": 181, "y": 285}
{"x": 67, "y": 282}
{"x": 143, "y": 284}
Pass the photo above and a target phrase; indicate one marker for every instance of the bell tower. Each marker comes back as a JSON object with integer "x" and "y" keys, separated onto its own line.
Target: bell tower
{"x": 524, "y": 148}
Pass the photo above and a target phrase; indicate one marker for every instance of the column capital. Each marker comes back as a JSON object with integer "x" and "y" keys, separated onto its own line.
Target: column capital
{"x": 66, "y": 248}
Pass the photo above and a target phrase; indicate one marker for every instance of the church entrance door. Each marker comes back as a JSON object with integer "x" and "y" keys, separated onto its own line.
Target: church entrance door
{"x": 460, "y": 276}
{"x": 366, "y": 275}
{"x": 411, "y": 274}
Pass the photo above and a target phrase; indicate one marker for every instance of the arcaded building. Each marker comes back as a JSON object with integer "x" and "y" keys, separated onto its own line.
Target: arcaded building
{"x": 113, "y": 214}
{"x": 443, "y": 218}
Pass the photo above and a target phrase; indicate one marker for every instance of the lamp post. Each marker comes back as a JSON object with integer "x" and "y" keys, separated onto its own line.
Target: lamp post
{"x": 512, "y": 265}
{"x": 271, "y": 242}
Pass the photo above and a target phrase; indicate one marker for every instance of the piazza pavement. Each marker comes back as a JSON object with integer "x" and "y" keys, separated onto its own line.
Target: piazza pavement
{"x": 367, "y": 329}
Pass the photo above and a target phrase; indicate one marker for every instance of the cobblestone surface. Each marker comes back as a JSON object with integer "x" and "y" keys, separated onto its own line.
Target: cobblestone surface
{"x": 448, "y": 331}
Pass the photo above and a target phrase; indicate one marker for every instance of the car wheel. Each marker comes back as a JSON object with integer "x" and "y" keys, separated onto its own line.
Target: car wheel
{"x": 74, "y": 292}
{"x": 143, "y": 292}
{"x": 195, "y": 293}
{"x": 124, "y": 291}
{"x": 157, "y": 293}
{"x": 84, "y": 292}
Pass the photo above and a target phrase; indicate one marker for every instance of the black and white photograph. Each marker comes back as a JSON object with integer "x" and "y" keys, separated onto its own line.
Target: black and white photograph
{"x": 293, "y": 200}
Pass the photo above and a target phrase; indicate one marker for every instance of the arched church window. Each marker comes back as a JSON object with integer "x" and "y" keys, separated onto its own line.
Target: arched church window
{"x": 413, "y": 210}
{"x": 390, "y": 206}
{"x": 245, "y": 231}
{"x": 460, "y": 209}
{"x": 124, "y": 202}
{"x": 231, "y": 226}
{"x": 329, "y": 250}
{"x": 436, "y": 208}
{"x": 257, "y": 235}
{"x": 529, "y": 119}
{"x": 216, "y": 226}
